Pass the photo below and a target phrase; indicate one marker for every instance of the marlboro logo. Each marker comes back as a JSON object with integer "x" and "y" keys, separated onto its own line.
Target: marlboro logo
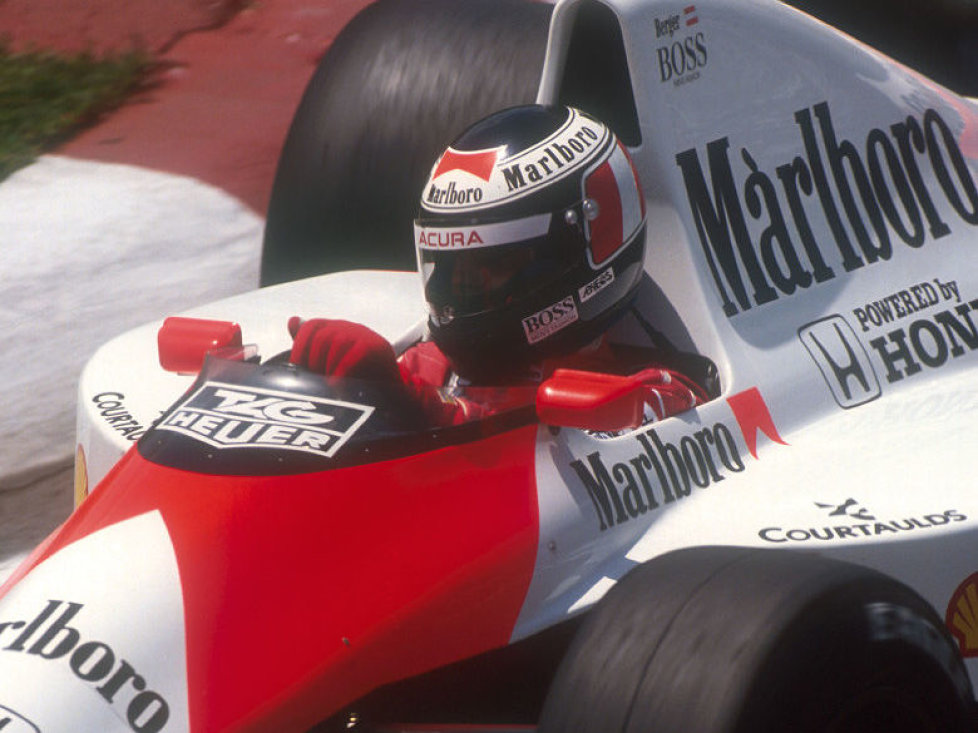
{"x": 832, "y": 206}
{"x": 54, "y": 634}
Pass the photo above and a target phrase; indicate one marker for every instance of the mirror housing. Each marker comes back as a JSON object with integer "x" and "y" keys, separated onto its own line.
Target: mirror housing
{"x": 591, "y": 401}
{"x": 183, "y": 343}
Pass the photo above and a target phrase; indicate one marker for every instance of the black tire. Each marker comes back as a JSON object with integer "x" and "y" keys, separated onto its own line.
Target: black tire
{"x": 721, "y": 640}
{"x": 398, "y": 84}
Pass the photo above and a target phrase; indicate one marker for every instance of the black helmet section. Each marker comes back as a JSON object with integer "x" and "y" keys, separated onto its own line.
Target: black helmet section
{"x": 530, "y": 238}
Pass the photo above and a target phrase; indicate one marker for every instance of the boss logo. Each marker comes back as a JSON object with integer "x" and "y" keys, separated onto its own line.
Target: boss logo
{"x": 228, "y": 416}
{"x": 682, "y": 57}
{"x": 596, "y": 285}
{"x": 550, "y": 320}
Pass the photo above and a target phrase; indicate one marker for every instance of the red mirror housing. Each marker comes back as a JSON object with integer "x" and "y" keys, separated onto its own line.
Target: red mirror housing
{"x": 591, "y": 401}
{"x": 184, "y": 342}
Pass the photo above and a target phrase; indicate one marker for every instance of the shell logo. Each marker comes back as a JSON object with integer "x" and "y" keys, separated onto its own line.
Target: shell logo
{"x": 962, "y": 616}
{"x": 81, "y": 476}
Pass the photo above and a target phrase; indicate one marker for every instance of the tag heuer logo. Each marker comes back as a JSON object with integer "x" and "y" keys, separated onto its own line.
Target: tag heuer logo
{"x": 229, "y": 416}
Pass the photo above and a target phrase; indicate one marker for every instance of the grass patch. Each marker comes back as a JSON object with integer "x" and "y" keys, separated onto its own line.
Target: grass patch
{"x": 44, "y": 97}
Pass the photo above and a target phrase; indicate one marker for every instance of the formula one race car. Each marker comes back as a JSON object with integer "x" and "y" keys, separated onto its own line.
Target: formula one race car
{"x": 261, "y": 549}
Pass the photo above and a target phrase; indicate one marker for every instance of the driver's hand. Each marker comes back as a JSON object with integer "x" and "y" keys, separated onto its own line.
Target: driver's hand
{"x": 338, "y": 348}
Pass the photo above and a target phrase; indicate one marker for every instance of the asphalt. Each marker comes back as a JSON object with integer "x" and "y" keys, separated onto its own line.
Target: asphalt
{"x": 156, "y": 208}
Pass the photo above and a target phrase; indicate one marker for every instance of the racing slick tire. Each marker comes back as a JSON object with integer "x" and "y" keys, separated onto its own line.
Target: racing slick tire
{"x": 723, "y": 640}
{"x": 398, "y": 84}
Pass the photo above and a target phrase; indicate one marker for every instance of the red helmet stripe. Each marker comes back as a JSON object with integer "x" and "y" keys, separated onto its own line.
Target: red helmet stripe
{"x": 615, "y": 188}
{"x": 632, "y": 201}
{"x": 606, "y": 229}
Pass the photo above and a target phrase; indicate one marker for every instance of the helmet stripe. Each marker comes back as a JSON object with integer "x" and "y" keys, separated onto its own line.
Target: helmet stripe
{"x": 633, "y": 202}
{"x": 481, "y": 235}
{"x": 614, "y": 187}
{"x": 606, "y": 230}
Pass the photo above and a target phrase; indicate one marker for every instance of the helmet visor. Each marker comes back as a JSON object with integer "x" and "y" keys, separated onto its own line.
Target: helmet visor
{"x": 482, "y": 271}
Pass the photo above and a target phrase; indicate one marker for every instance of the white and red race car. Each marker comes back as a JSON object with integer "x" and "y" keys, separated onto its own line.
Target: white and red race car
{"x": 799, "y": 553}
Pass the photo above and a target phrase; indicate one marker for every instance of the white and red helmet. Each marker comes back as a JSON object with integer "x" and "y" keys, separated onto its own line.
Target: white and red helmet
{"x": 530, "y": 238}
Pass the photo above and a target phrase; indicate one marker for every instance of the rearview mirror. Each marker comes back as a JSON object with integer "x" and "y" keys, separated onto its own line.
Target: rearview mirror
{"x": 591, "y": 401}
{"x": 184, "y": 342}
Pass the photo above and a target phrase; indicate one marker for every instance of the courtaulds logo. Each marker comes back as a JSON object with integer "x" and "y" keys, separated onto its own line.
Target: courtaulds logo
{"x": 850, "y": 520}
{"x": 849, "y": 508}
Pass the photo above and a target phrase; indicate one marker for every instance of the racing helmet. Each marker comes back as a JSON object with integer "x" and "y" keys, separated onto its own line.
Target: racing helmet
{"x": 530, "y": 238}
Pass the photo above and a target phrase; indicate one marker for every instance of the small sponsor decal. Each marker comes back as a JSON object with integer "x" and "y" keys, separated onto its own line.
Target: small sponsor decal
{"x": 905, "y": 302}
{"x": 849, "y": 508}
{"x": 550, "y": 320}
{"x": 851, "y": 520}
{"x": 919, "y": 334}
{"x": 752, "y": 415}
{"x": 112, "y": 408}
{"x": 843, "y": 361}
{"x": 231, "y": 416}
{"x": 681, "y": 58}
{"x": 479, "y": 163}
{"x": 666, "y": 26}
{"x": 931, "y": 339}
{"x": 596, "y": 285}
{"x": 486, "y": 235}
{"x": 962, "y": 616}
{"x": 81, "y": 477}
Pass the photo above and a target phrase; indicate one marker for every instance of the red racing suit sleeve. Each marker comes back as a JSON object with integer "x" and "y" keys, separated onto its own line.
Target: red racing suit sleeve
{"x": 338, "y": 348}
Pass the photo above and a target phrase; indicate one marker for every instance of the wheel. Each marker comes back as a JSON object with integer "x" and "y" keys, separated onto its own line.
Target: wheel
{"x": 402, "y": 80}
{"x": 722, "y": 640}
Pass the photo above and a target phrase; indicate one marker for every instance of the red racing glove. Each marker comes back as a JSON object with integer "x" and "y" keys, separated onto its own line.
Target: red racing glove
{"x": 338, "y": 348}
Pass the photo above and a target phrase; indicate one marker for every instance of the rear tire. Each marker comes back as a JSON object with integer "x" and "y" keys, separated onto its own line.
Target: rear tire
{"x": 722, "y": 640}
{"x": 398, "y": 84}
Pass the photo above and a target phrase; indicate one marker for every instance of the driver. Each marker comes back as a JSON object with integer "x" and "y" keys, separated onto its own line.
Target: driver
{"x": 531, "y": 244}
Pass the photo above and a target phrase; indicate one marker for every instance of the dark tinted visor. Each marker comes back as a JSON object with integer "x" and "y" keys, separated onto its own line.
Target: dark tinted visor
{"x": 482, "y": 269}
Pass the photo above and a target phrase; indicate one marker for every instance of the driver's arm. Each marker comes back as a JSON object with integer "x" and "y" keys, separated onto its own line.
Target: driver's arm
{"x": 342, "y": 349}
